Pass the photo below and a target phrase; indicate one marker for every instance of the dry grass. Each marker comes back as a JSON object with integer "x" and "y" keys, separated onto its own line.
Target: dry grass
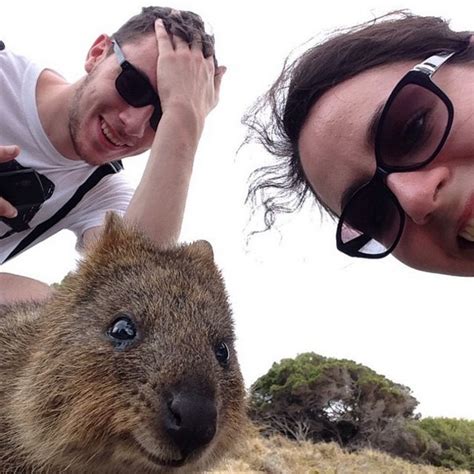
{"x": 279, "y": 455}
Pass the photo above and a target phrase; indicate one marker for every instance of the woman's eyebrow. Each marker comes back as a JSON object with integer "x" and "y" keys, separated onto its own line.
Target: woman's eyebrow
{"x": 373, "y": 126}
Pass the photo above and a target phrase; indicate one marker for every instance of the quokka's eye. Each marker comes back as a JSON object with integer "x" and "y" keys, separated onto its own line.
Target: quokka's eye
{"x": 222, "y": 353}
{"x": 123, "y": 329}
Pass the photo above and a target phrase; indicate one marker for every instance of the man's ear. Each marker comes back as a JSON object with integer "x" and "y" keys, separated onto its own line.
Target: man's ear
{"x": 98, "y": 52}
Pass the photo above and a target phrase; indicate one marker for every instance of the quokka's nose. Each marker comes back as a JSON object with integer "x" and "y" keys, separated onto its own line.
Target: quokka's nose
{"x": 190, "y": 420}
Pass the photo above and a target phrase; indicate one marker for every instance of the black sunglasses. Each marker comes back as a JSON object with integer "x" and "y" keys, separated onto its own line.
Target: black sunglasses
{"x": 135, "y": 88}
{"x": 413, "y": 127}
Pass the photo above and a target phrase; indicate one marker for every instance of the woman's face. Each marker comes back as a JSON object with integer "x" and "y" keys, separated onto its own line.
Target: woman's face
{"x": 438, "y": 199}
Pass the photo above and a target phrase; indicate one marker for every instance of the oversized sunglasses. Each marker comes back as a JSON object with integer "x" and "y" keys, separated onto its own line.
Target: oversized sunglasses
{"x": 135, "y": 88}
{"x": 413, "y": 127}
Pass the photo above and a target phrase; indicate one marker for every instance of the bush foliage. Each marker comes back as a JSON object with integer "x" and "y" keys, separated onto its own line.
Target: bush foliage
{"x": 315, "y": 398}
{"x": 328, "y": 400}
{"x": 455, "y": 439}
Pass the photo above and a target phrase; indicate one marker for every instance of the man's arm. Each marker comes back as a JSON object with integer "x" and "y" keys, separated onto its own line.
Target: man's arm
{"x": 188, "y": 87}
{"x": 14, "y": 288}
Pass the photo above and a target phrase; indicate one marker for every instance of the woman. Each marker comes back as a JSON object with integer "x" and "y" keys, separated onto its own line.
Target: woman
{"x": 377, "y": 124}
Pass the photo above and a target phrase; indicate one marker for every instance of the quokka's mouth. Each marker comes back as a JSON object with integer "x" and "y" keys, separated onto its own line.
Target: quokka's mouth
{"x": 160, "y": 461}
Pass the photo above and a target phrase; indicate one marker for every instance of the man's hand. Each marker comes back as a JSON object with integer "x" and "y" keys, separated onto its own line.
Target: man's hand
{"x": 187, "y": 82}
{"x": 188, "y": 86}
{"x": 7, "y": 153}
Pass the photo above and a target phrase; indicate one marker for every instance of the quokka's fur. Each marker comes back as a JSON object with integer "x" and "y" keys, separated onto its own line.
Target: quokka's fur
{"x": 75, "y": 399}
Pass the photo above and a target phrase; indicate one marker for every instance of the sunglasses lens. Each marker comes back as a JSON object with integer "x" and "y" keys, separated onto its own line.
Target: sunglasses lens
{"x": 413, "y": 127}
{"x": 155, "y": 118}
{"x": 371, "y": 223}
{"x": 134, "y": 88}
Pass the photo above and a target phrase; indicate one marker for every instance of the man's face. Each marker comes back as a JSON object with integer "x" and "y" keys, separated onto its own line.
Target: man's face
{"x": 103, "y": 126}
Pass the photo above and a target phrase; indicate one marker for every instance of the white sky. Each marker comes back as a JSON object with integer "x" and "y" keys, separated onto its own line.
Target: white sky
{"x": 290, "y": 289}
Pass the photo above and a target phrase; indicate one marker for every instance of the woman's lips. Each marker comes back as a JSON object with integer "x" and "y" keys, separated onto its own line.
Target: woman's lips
{"x": 466, "y": 221}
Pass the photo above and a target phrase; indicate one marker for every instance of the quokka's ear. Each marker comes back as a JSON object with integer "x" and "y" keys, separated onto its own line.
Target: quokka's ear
{"x": 113, "y": 234}
{"x": 201, "y": 249}
{"x": 113, "y": 224}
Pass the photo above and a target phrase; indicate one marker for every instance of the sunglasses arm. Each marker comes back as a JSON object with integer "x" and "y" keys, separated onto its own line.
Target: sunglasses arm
{"x": 118, "y": 52}
{"x": 433, "y": 63}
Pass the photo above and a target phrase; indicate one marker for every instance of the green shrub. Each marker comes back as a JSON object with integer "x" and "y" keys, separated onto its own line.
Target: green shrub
{"x": 327, "y": 399}
{"x": 456, "y": 439}
{"x": 322, "y": 399}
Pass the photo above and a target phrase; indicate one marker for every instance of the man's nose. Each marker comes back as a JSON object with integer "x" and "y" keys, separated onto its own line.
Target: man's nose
{"x": 136, "y": 120}
{"x": 420, "y": 193}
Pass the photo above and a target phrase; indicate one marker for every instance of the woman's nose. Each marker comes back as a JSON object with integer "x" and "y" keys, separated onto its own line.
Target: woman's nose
{"x": 419, "y": 192}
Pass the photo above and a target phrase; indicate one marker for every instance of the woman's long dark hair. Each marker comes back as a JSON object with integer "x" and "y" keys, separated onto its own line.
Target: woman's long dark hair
{"x": 276, "y": 119}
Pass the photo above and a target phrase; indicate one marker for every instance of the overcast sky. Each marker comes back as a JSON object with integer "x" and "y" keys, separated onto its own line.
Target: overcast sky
{"x": 290, "y": 289}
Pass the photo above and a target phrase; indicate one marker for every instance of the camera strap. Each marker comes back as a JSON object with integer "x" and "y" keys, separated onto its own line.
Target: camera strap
{"x": 92, "y": 180}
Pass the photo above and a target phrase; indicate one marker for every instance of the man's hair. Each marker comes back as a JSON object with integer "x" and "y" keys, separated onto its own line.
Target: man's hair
{"x": 276, "y": 119}
{"x": 187, "y": 25}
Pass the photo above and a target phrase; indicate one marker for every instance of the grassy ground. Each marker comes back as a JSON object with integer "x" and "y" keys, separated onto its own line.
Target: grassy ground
{"x": 279, "y": 455}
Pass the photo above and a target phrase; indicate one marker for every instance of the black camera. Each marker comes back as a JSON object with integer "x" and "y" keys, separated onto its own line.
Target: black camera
{"x": 22, "y": 188}
{"x": 25, "y": 189}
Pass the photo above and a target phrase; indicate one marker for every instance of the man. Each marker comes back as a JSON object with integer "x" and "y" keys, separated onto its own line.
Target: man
{"x": 148, "y": 86}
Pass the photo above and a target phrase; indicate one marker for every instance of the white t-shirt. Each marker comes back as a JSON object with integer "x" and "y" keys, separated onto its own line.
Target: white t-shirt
{"x": 20, "y": 125}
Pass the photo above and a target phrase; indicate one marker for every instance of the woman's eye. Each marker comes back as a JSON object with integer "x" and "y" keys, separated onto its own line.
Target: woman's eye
{"x": 409, "y": 135}
{"x": 413, "y": 134}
